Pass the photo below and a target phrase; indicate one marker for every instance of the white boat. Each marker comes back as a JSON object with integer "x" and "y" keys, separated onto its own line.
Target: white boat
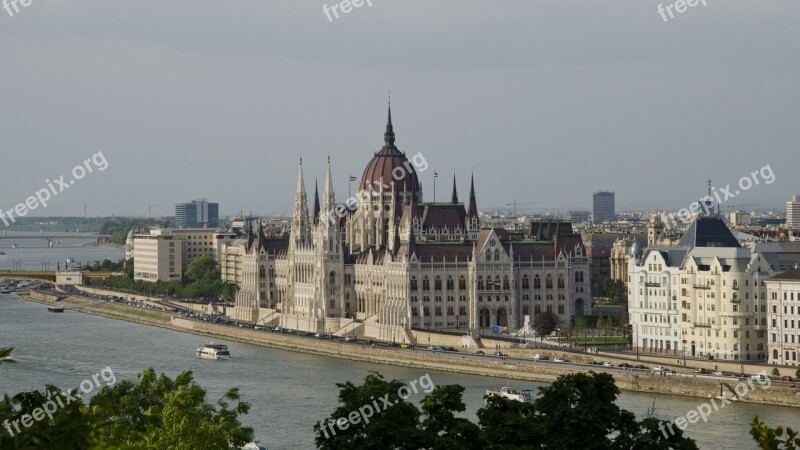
{"x": 213, "y": 351}
{"x": 257, "y": 445}
{"x": 520, "y": 395}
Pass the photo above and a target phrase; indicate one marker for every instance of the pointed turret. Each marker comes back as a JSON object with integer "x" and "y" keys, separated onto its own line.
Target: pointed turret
{"x": 388, "y": 137}
{"x": 472, "y": 209}
{"x": 328, "y": 197}
{"x": 315, "y": 215}
{"x": 454, "y": 198}
{"x": 300, "y": 232}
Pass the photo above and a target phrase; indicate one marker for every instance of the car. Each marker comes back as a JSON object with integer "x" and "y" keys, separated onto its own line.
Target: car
{"x": 394, "y": 344}
{"x": 559, "y": 360}
{"x": 499, "y": 354}
{"x": 624, "y": 366}
{"x": 608, "y": 364}
{"x": 700, "y": 371}
{"x": 540, "y": 357}
{"x": 640, "y": 367}
{"x": 594, "y": 363}
{"x": 480, "y": 353}
{"x": 348, "y": 339}
{"x": 718, "y": 373}
{"x": 405, "y": 345}
{"x": 759, "y": 377}
{"x": 786, "y": 378}
{"x": 658, "y": 369}
{"x": 258, "y": 327}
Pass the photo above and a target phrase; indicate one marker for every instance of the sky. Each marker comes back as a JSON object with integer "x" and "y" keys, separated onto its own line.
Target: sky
{"x": 544, "y": 101}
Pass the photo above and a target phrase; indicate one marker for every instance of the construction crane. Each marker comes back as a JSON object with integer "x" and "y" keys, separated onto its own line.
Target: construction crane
{"x": 515, "y": 203}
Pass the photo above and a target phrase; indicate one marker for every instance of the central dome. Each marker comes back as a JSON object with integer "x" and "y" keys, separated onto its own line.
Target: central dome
{"x": 388, "y": 166}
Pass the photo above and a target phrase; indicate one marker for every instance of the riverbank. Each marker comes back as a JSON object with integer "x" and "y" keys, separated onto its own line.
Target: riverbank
{"x": 777, "y": 393}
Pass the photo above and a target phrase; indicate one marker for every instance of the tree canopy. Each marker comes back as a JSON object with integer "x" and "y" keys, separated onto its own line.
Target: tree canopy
{"x": 155, "y": 412}
{"x": 576, "y": 411}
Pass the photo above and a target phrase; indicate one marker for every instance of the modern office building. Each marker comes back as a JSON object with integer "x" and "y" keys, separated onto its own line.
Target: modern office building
{"x": 165, "y": 253}
{"x": 197, "y": 214}
{"x": 603, "y": 208}
{"x": 793, "y": 213}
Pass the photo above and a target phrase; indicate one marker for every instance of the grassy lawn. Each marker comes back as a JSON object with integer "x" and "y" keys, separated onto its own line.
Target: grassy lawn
{"x": 595, "y": 340}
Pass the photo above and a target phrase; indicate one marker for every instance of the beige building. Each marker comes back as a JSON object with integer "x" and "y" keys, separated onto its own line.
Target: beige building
{"x": 165, "y": 253}
{"x": 705, "y": 297}
{"x": 783, "y": 294}
{"x": 793, "y": 213}
{"x": 157, "y": 256}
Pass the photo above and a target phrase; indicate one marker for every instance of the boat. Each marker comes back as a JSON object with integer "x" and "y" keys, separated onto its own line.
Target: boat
{"x": 56, "y": 309}
{"x": 520, "y": 395}
{"x": 255, "y": 445}
{"x": 213, "y": 351}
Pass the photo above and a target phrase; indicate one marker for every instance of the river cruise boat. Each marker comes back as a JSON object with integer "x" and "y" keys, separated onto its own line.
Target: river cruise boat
{"x": 520, "y": 395}
{"x": 56, "y": 309}
{"x": 213, "y": 351}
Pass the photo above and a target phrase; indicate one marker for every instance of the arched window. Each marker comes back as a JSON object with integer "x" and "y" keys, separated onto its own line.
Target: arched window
{"x": 426, "y": 284}
{"x": 437, "y": 283}
{"x": 462, "y": 282}
{"x": 480, "y": 282}
{"x": 332, "y": 278}
{"x": 525, "y": 282}
{"x": 505, "y": 282}
{"x": 561, "y": 281}
{"x": 450, "y": 284}
{"x": 548, "y": 284}
{"x": 497, "y": 255}
{"x": 537, "y": 282}
{"x": 414, "y": 283}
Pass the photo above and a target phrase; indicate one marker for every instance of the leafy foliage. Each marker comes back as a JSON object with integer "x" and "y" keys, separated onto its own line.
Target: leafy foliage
{"x": 545, "y": 323}
{"x": 153, "y": 413}
{"x": 576, "y": 411}
{"x": 202, "y": 280}
{"x": 773, "y": 438}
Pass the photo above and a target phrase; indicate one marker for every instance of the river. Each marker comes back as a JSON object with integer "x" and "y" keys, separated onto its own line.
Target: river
{"x": 288, "y": 391}
{"x": 26, "y": 250}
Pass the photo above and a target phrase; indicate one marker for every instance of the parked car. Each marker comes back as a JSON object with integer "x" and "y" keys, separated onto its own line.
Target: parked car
{"x": 786, "y": 378}
{"x": 759, "y": 377}
{"x": 640, "y": 367}
{"x": 405, "y": 345}
{"x": 594, "y": 363}
{"x": 718, "y": 373}
{"x": 700, "y": 371}
{"x": 624, "y": 366}
{"x": 540, "y": 357}
{"x": 658, "y": 369}
{"x": 559, "y": 360}
{"x": 499, "y": 354}
{"x": 607, "y": 364}
{"x": 480, "y": 353}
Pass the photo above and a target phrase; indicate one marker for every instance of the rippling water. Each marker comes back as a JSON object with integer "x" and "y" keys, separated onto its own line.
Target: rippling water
{"x": 288, "y": 391}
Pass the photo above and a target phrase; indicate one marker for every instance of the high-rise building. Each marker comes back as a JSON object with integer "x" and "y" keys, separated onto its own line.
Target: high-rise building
{"x": 603, "y": 209}
{"x": 197, "y": 214}
{"x": 793, "y": 212}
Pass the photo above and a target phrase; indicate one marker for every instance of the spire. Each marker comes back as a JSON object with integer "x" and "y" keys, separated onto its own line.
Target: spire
{"x": 388, "y": 137}
{"x": 472, "y": 211}
{"x": 315, "y": 217}
{"x": 455, "y": 192}
{"x": 300, "y": 226}
{"x": 328, "y": 197}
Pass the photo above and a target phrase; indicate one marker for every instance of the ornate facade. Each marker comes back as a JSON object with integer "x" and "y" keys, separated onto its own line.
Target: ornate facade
{"x": 385, "y": 262}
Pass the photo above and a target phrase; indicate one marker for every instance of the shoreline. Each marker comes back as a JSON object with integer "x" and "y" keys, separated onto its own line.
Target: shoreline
{"x": 778, "y": 395}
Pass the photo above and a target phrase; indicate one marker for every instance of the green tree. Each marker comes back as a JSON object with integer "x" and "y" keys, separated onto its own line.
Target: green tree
{"x": 773, "y": 438}
{"x": 776, "y": 372}
{"x": 443, "y": 430}
{"x": 152, "y": 413}
{"x": 545, "y": 323}
{"x": 580, "y": 324}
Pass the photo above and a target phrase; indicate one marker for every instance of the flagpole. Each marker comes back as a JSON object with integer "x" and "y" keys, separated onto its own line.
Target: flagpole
{"x": 435, "y": 175}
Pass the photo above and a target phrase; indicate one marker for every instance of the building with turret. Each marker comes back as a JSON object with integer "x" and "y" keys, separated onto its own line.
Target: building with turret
{"x": 385, "y": 261}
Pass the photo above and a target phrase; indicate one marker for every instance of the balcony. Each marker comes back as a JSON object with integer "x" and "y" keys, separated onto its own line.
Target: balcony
{"x": 651, "y": 284}
{"x": 701, "y": 286}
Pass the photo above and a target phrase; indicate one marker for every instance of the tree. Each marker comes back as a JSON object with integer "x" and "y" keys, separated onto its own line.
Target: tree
{"x": 545, "y": 323}
{"x": 580, "y": 324}
{"x": 776, "y": 372}
{"x": 773, "y": 438}
{"x": 576, "y": 411}
{"x": 152, "y": 413}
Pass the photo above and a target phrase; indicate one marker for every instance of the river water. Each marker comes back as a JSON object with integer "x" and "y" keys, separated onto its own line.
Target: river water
{"x": 288, "y": 391}
{"x": 29, "y": 250}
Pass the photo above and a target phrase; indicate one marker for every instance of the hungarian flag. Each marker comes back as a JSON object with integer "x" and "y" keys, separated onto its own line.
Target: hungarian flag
{"x": 352, "y": 178}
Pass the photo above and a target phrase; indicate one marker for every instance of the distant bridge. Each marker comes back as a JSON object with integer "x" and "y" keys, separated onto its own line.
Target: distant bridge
{"x": 101, "y": 238}
{"x": 46, "y": 276}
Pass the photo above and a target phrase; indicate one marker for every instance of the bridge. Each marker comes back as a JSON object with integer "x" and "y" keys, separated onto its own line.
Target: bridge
{"x": 46, "y": 276}
{"x": 51, "y": 238}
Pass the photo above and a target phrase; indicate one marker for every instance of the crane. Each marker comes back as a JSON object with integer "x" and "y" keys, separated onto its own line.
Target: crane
{"x": 515, "y": 203}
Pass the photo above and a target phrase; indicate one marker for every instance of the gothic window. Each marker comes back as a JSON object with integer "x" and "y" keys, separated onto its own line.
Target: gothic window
{"x": 537, "y": 282}
{"x": 525, "y": 282}
{"x": 524, "y": 310}
{"x": 505, "y": 282}
{"x": 426, "y": 284}
{"x": 549, "y": 282}
{"x": 426, "y": 311}
{"x": 561, "y": 281}
{"x": 414, "y": 312}
{"x": 332, "y": 278}
{"x": 437, "y": 283}
{"x": 450, "y": 284}
{"x": 497, "y": 255}
{"x": 462, "y": 283}
{"x": 480, "y": 282}
{"x": 413, "y": 283}
{"x": 438, "y": 311}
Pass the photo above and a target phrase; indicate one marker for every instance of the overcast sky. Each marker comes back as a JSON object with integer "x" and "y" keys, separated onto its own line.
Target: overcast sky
{"x": 547, "y": 101}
